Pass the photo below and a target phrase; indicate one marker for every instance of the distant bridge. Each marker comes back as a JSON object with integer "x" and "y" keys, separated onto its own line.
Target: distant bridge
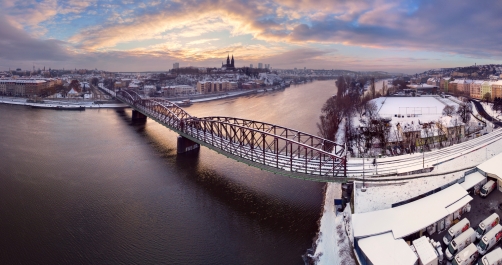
{"x": 263, "y": 145}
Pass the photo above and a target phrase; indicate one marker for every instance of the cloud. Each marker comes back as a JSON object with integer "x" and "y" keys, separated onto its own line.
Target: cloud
{"x": 464, "y": 29}
{"x": 201, "y": 41}
{"x": 15, "y": 44}
{"x": 74, "y": 6}
{"x": 281, "y": 31}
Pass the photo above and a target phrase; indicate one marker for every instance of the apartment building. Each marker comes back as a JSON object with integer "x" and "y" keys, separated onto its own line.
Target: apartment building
{"x": 443, "y": 83}
{"x": 23, "y": 87}
{"x": 476, "y": 89}
{"x": 177, "y": 90}
{"x": 486, "y": 87}
{"x": 497, "y": 89}
{"x": 204, "y": 87}
{"x": 464, "y": 86}
{"x": 452, "y": 86}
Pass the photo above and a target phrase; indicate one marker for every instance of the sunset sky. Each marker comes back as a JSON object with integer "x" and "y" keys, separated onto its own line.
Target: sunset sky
{"x": 397, "y": 36}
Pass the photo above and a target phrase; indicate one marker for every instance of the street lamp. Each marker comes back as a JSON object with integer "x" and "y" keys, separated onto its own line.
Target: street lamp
{"x": 423, "y": 157}
{"x": 363, "y": 189}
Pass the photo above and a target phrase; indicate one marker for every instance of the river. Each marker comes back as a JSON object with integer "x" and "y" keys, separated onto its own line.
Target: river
{"x": 95, "y": 187}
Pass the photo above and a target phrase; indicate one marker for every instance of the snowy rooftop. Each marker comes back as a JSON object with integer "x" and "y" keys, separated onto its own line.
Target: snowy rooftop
{"x": 492, "y": 166}
{"x": 424, "y": 250}
{"x": 409, "y": 218}
{"x": 421, "y": 86}
{"x": 471, "y": 180}
{"x": 385, "y": 250}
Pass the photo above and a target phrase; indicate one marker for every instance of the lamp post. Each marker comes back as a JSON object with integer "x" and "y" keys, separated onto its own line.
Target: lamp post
{"x": 363, "y": 189}
{"x": 423, "y": 157}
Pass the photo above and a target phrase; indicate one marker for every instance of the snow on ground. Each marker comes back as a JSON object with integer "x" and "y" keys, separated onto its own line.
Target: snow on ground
{"x": 475, "y": 113}
{"x": 382, "y": 196}
{"x": 407, "y": 109}
{"x": 54, "y": 103}
{"x": 333, "y": 243}
{"x": 379, "y": 102}
{"x": 488, "y": 109}
{"x": 333, "y": 247}
{"x": 340, "y": 134}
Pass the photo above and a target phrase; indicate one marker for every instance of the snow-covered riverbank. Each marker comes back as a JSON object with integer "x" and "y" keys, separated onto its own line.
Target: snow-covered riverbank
{"x": 52, "y": 104}
{"x": 228, "y": 95}
{"x": 333, "y": 245}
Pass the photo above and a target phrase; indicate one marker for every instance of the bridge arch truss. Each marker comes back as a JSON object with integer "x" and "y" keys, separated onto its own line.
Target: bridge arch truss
{"x": 267, "y": 146}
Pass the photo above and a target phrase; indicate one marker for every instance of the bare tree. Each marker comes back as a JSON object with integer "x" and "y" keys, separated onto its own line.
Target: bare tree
{"x": 372, "y": 87}
{"x": 383, "y": 132}
{"x": 448, "y": 110}
{"x": 342, "y": 85}
{"x": 332, "y": 115}
{"x": 371, "y": 109}
{"x": 426, "y": 142}
{"x": 464, "y": 111}
{"x": 497, "y": 104}
{"x": 442, "y": 132}
{"x": 487, "y": 97}
{"x": 411, "y": 133}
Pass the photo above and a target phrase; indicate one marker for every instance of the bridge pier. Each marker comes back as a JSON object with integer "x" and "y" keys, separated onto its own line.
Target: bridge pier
{"x": 136, "y": 115}
{"x": 186, "y": 145}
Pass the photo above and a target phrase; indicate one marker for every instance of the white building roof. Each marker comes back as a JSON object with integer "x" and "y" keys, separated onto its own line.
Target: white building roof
{"x": 471, "y": 180}
{"x": 409, "y": 218}
{"x": 458, "y": 204}
{"x": 421, "y": 86}
{"x": 385, "y": 250}
{"x": 492, "y": 166}
{"x": 424, "y": 250}
{"x": 380, "y": 222}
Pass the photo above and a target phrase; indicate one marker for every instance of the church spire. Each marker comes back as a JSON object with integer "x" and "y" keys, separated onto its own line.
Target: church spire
{"x": 228, "y": 59}
{"x": 232, "y": 63}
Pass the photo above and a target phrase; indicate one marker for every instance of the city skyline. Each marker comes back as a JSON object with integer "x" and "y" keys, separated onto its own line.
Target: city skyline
{"x": 407, "y": 36}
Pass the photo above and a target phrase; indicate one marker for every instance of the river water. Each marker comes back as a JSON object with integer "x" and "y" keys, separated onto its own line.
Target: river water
{"x": 95, "y": 187}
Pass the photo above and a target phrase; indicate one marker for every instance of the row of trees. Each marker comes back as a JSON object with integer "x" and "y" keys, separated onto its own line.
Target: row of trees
{"x": 348, "y": 101}
{"x": 497, "y": 104}
{"x": 374, "y": 130}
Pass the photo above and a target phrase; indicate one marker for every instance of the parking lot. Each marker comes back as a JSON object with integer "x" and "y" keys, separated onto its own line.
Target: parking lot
{"x": 480, "y": 209}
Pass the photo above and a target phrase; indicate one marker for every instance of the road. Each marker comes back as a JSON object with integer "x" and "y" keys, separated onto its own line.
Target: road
{"x": 98, "y": 94}
{"x": 485, "y": 115}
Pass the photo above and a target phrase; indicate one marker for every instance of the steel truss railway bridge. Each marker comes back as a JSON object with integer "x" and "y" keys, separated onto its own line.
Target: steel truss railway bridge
{"x": 263, "y": 145}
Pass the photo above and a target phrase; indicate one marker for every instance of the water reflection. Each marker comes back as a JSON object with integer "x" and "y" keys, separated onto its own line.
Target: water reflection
{"x": 96, "y": 187}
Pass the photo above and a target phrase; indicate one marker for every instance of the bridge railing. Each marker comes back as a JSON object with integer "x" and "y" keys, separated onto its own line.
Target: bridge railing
{"x": 265, "y": 147}
{"x": 258, "y": 142}
{"x": 298, "y": 136}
